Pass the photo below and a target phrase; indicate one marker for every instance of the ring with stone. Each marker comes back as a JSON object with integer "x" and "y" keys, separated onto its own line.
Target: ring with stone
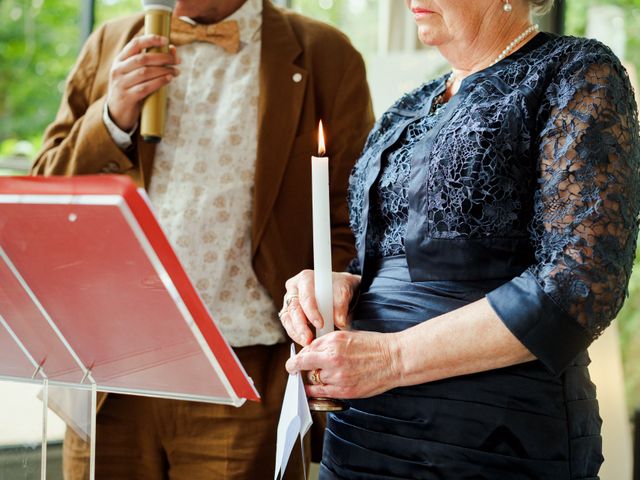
{"x": 314, "y": 377}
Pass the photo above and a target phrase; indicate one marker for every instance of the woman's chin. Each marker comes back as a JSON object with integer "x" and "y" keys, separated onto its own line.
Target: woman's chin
{"x": 428, "y": 37}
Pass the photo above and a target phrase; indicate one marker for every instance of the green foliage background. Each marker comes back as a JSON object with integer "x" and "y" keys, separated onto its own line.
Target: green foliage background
{"x": 38, "y": 43}
{"x": 40, "y": 40}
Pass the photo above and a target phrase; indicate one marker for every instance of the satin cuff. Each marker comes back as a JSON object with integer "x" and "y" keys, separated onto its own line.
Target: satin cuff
{"x": 538, "y": 322}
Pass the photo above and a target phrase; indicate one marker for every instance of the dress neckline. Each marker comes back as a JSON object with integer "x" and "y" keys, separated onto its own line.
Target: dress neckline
{"x": 536, "y": 41}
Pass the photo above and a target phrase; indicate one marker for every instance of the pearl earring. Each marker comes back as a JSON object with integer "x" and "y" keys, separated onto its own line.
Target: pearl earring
{"x": 507, "y": 6}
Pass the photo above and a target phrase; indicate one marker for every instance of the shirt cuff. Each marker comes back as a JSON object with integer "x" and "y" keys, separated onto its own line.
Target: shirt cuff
{"x": 538, "y": 322}
{"x": 121, "y": 138}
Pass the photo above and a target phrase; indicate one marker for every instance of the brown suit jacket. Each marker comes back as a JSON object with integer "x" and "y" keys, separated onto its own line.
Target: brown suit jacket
{"x": 333, "y": 88}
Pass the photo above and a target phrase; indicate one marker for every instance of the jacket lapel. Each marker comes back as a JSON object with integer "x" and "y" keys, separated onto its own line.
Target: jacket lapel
{"x": 280, "y": 104}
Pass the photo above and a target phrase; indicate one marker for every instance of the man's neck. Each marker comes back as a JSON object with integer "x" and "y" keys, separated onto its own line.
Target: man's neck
{"x": 209, "y": 12}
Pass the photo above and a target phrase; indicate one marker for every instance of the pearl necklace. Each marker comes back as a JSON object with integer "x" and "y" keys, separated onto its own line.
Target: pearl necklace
{"x": 516, "y": 41}
{"x": 439, "y": 100}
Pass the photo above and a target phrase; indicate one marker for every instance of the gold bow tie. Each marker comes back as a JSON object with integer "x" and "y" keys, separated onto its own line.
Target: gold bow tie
{"x": 225, "y": 34}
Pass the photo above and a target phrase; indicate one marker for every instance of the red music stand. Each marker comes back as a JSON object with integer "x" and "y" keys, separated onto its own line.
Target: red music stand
{"x": 93, "y": 296}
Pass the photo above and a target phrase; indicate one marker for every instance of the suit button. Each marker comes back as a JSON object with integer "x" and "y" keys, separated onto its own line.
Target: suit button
{"x": 297, "y": 77}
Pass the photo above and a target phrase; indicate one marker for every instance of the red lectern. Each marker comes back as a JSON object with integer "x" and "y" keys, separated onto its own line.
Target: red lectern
{"x": 92, "y": 296}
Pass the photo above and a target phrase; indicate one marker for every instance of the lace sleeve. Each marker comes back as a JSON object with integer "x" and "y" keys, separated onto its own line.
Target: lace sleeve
{"x": 584, "y": 224}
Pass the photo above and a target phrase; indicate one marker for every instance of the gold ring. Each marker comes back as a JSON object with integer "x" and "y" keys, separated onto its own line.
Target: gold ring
{"x": 314, "y": 377}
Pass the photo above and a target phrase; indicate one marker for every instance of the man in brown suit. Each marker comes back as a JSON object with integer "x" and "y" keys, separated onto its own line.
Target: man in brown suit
{"x": 235, "y": 162}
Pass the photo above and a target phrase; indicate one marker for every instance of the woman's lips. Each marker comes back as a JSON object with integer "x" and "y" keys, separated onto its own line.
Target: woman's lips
{"x": 420, "y": 12}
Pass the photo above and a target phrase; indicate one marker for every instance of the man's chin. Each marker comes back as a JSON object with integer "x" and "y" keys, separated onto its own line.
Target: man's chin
{"x": 196, "y": 10}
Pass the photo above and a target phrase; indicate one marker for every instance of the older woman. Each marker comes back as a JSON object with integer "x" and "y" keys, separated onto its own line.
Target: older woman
{"x": 494, "y": 211}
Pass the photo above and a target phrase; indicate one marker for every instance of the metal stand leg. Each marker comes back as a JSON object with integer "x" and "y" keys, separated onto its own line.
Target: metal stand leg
{"x": 45, "y": 416}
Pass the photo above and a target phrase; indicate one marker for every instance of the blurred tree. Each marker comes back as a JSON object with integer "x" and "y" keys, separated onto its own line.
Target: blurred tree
{"x": 357, "y": 18}
{"x": 629, "y": 325}
{"x": 38, "y": 44}
{"x": 576, "y": 22}
{"x": 111, "y": 9}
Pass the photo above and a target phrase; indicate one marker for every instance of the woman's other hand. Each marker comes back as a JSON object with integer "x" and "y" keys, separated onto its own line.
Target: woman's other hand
{"x": 300, "y": 309}
{"x": 350, "y": 364}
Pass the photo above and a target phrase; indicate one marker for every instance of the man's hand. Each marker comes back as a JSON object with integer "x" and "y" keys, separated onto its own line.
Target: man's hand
{"x": 136, "y": 74}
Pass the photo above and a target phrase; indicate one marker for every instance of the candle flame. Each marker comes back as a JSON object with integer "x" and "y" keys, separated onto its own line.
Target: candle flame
{"x": 321, "y": 146}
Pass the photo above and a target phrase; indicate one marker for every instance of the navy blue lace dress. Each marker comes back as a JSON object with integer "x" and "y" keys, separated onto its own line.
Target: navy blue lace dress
{"x": 523, "y": 189}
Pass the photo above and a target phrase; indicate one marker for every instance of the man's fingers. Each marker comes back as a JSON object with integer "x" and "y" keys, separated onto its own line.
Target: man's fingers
{"x": 145, "y": 89}
{"x": 146, "y": 74}
{"x": 144, "y": 60}
{"x": 138, "y": 44}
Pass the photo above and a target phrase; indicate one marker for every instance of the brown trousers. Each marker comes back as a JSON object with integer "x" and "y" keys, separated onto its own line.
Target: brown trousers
{"x": 141, "y": 438}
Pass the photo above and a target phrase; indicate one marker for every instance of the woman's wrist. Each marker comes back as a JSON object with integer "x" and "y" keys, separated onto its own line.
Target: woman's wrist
{"x": 396, "y": 355}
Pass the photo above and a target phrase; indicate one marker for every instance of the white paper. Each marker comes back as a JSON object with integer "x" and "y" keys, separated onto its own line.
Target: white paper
{"x": 295, "y": 420}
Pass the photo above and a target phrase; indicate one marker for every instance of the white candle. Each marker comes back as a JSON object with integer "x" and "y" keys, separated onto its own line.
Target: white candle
{"x": 322, "y": 236}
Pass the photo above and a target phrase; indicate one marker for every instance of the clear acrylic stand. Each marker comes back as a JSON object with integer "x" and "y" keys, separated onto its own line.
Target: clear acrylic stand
{"x": 93, "y": 298}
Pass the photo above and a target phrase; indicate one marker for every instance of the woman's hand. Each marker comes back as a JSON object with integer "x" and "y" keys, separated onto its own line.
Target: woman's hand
{"x": 350, "y": 364}
{"x": 300, "y": 307}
